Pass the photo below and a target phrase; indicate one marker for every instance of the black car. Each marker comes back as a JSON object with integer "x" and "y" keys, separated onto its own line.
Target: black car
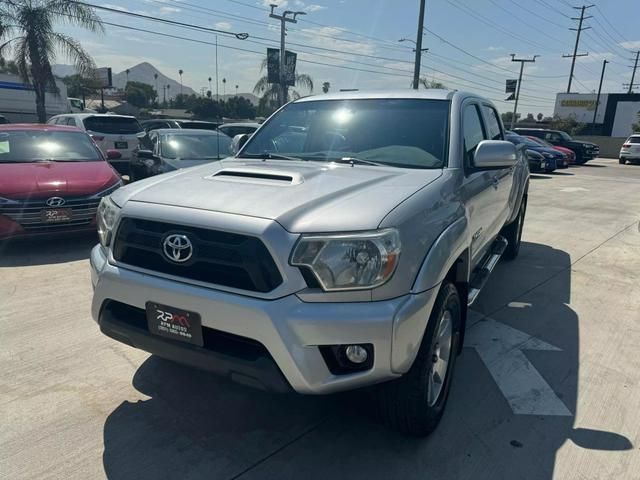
{"x": 552, "y": 158}
{"x": 165, "y": 150}
{"x": 584, "y": 151}
{"x": 156, "y": 124}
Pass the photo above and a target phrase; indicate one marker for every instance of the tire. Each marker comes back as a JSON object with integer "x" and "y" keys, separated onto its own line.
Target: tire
{"x": 413, "y": 405}
{"x": 513, "y": 232}
{"x": 622, "y": 161}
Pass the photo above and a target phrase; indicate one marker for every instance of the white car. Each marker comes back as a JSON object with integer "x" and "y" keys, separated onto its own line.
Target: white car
{"x": 630, "y": 150}
{"x": 116, "y": 135}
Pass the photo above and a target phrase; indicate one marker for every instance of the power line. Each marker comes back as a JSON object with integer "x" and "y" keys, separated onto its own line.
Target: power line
{"x": 500, "y": 28}
{"x": 613, "y": 28}
{"x": 521, "y": 7}
{"x": 552, "y": 7}
{"x": 462, "y": 50}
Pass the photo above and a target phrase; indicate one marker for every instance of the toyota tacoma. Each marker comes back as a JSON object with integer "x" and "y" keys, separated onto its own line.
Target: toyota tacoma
{"x": 338, "y": 249}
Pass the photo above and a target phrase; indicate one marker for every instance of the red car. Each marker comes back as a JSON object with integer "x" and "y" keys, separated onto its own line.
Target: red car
{"x": 571, "y": 156}
{"x": 51, "y": 180}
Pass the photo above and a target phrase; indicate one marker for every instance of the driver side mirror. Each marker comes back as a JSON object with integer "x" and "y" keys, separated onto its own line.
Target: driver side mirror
{"x": 238, "y": 142}
{"x": 146, "y": 155}
{"x": 495, "y": 154}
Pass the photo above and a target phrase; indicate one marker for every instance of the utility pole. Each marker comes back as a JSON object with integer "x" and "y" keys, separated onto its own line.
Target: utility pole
{"x": 415, "y": 50}
{"x": 575, "y": 48}
{"x": 416, "y": 66}
{"x": 595, "y": 110}
{"x": 284, "y": 18}
{"x": 217, "y": 96}
{"x": 633, "y": 75}
{"x": 522, "y": 62}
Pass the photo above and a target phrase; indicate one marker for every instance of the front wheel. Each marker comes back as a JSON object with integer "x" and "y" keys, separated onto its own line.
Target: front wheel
{"x": 414, "y": 404}
{"x": 513, "y": 232}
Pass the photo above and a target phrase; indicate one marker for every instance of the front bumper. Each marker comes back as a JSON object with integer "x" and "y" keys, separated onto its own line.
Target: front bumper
{"x": 289, "y": 329}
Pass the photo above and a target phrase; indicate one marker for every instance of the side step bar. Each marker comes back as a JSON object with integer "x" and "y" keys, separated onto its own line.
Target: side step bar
{"x": 482, "y": 274}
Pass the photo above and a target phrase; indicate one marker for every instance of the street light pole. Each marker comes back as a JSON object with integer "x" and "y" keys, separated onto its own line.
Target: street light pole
{"x": 217, "y": 96}
{"x": 522, "y": 62}
{"x": 595, "y": 110}
{"x": 284, "y": 18}
{"x": 416, "y": 68}
{"x": 415, "y": 50}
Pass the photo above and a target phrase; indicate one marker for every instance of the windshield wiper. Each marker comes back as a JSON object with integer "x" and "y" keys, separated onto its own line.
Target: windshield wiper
{"x": 354, "y": 160}
{"x": 270, "y": 156}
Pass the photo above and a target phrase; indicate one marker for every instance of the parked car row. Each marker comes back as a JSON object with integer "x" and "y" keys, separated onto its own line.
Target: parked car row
{"x": 53, "y": 176}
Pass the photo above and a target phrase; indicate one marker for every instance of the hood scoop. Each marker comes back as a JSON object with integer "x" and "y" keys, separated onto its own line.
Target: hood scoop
{"x": 256, "y": 175}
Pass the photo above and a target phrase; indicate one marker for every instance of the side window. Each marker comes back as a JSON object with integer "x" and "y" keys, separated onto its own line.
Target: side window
{"x": 552, "y": 137}
{"x": 494, "y": 131}
{"x": 71, "y": 122}
{"x": 153, "y": 138}
{"x": 473, "y": 133}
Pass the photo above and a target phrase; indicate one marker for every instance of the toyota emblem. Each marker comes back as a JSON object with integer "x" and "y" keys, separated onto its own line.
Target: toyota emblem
{"x": 177, "y": 248}
{"x": 55, "y": 202}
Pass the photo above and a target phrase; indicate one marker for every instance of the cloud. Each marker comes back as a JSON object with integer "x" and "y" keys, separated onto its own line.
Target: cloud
{"x": 169, "y": 10}
{"x": 223, "y": 26}
{"x": 633, "y": 45}
{"x": 279, "y": 3}
{"x": 495, "y": 49}
{"x": 314, "y": 8}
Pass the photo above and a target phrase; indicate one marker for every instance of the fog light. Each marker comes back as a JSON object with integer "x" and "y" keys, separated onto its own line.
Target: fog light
{"x": 356, "y": 354}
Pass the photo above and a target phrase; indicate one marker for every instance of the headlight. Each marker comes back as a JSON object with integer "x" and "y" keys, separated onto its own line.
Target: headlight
{"x": 6, "y": 201}
{"x": 350, "y": 261}
{"x": 106, "y": 219}
{"x": 109, "y": 190}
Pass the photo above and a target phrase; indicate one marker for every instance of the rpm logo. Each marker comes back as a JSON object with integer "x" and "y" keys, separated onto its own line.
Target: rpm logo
{"x": 173, "y": 318}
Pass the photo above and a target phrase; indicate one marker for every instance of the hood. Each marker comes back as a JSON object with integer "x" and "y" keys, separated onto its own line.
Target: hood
{"x": 43, "y": 179}
{"x": 542, "y": 149}
{"x": 184, "y": 163}
{"x": 301, "y": 196}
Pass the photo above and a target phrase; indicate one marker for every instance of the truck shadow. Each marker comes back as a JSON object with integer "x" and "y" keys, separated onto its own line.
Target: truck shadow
{"x": 196, "y": 426}
{"x": 46, "y": 250}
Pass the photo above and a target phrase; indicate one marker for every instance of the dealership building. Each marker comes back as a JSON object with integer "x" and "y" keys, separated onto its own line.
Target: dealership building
{"x": 616, "y": 114}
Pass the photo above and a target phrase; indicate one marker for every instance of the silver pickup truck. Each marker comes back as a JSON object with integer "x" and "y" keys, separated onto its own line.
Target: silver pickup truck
{"x": 339, "y": 249}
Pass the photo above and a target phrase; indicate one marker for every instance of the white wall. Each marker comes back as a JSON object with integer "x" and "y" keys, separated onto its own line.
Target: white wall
{"x": 18, "y": 104}
{"x": 627, "y": 113}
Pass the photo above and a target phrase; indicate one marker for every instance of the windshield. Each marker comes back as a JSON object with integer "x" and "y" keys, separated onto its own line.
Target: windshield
{"x": 565, "y": 136}
{"x": 400, "y": 132}
{"x": 113, "y": 125}
{"x": 199, "y": 125}
{"x": 195, "y": 146}
{"x": 517, "y": 139}
{"x": 540, "y": 141}
{"x": 24, "y": 146}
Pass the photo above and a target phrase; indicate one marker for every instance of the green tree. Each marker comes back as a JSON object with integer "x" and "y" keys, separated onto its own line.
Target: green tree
{"x": 78, "y": 86}
{"x": 139, "y": 94}
{"x": 325, "y": 87}
{"x": 540, "y": 116}
{"x": 431, "y": 83}
{"x": 268, "y": 92}
{"x": 507, "y": 116}
{"x": 239, "y": 107}
{"x": 8, "y": 66}
{"x": 636, "y": 126}
{"x": 27, "y": 30}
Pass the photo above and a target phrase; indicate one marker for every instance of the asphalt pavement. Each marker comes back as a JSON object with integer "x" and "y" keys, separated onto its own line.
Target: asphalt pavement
{"x": 548, "y": 385}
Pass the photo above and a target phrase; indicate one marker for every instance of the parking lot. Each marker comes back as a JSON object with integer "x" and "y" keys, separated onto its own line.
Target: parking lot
{"x": 548, "y": 386}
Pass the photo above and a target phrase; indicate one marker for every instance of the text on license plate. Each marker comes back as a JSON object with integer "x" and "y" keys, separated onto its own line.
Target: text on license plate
{"x": 56, "y": 215}
{"x": 121, "y": 145}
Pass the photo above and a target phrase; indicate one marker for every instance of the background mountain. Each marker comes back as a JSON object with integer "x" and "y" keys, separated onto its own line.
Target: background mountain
{"x": 143, "y": 72}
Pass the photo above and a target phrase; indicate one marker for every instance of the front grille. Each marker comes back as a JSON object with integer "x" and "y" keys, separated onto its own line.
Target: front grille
{"x": 28, "y": 213}
{"x": 219, "y": 258}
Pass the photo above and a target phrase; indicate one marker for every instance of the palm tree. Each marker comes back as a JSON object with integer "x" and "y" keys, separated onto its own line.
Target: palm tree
{"x": 155, "y": 77}
{"x": 27, "y": 30}
{"x": 127, "y": 72}
{"x": 224, "y": 87}
{"x": 325, "y": 87}
{"x": 237, "y": 90}
{"x": 268, "y": 92}
{"x": 180, "y": 72}
{"x": 210, "y": 89}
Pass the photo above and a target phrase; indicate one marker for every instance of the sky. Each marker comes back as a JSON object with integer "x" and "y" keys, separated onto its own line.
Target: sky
{"x": 355, "y": 43}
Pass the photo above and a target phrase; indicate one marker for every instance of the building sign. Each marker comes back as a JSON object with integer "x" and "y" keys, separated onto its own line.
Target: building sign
{"x": 103, "y": 76}
{"x": 273, "y": 66}
{"x": 580, "y": 106}
{"x": 510, "y": 86}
